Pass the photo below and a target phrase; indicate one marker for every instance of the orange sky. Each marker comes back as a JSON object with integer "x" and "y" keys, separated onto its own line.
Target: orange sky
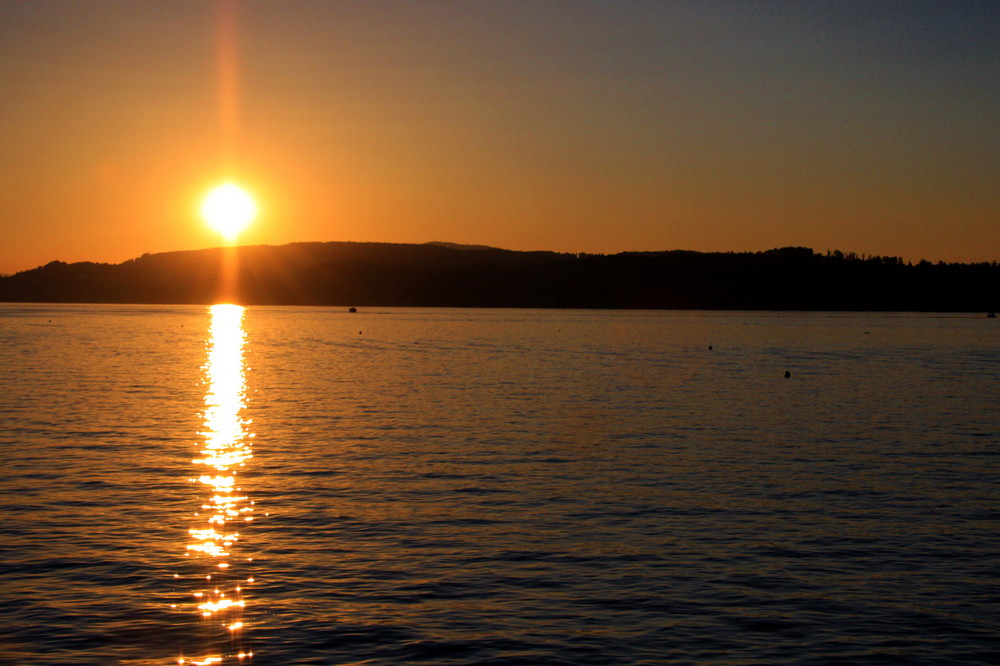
{"x": 571, "y": 126}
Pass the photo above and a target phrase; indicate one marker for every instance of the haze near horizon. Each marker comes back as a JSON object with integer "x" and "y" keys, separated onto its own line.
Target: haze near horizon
{"x": 569, "y": 126}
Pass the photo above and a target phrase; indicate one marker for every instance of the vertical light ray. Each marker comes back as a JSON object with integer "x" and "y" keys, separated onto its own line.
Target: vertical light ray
{"x": 227, "y": 79}
{"x": 225, "y": 508}
{"x": 228, "y": 100}
{"x": 229, "y": 275}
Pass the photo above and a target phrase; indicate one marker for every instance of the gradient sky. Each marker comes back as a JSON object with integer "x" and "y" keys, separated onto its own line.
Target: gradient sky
{"x": 868, "y": 126}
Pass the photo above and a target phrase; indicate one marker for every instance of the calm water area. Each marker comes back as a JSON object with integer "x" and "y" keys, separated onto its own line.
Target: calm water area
{"x": 278, "y": 485}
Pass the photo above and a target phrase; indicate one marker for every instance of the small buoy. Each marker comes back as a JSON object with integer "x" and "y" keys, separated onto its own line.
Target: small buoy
{"x": 359, "y": 332}
{"x": 710, "y": 348}
{"x": 352, "y": 309}
{"x": 787, "y": 374}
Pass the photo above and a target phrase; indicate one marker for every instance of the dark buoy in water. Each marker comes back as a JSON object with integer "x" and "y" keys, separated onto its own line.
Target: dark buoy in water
{"x": 352, "y": 309}
{"x": 787, "y": 374}
{"x": 710, "y": 348}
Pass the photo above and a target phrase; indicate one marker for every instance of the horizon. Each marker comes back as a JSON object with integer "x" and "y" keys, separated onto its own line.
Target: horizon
{"x": 480, "y": 246}
{"x": 867, "y": 127}
{"x": 441, "y": 274}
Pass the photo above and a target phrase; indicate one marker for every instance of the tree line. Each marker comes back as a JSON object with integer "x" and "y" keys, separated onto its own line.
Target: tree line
{"x": 435, "y": 274}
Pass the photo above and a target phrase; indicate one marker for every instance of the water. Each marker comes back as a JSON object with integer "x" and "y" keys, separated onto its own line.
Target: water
{"x": 496, "y": 487}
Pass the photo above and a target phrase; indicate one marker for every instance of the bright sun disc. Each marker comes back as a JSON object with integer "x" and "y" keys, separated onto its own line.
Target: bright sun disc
{"x": 228, "y": 209}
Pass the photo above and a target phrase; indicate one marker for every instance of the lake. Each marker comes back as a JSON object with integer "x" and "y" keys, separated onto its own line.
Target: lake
{"x": 279, "y": 485}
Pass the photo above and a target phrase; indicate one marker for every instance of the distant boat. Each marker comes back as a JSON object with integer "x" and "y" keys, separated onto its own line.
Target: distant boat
{"x": 352, "y": 309}
{"x": 991, "y": 315}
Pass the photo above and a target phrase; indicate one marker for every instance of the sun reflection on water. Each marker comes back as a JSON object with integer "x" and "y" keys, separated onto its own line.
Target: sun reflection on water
{"x": 215, "y": 531}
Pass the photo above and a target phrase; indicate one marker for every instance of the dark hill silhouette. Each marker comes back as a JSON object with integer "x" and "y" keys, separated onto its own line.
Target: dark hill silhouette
{"x": 459, "y": 246}
{"x": 442, "y": 274}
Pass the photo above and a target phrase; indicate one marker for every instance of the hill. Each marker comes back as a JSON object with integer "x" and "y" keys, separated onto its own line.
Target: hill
{"x": 443, "y": 274}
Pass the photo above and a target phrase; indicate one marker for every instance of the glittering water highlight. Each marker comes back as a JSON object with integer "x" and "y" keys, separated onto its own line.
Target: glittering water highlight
{"x": 219, "y": 596}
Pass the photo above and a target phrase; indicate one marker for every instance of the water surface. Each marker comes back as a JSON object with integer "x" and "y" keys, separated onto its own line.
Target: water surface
{"x": 496, "y": 487}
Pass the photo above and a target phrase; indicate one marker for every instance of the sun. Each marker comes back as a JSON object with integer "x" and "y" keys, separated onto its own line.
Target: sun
{"x": 228, "y": 209}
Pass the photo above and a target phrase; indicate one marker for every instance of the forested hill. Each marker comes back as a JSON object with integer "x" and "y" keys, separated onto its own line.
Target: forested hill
{"x": 442, "y": 274}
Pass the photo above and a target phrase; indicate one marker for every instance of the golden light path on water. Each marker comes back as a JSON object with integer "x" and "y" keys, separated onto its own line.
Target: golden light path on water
{"x": 215, "y": 531}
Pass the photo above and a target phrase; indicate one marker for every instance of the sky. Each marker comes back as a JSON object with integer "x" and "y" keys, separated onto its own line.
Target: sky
{"x": 868, "y": 126}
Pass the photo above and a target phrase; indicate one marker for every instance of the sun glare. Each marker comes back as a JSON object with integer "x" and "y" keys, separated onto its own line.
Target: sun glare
{"x": 228, "y": 209}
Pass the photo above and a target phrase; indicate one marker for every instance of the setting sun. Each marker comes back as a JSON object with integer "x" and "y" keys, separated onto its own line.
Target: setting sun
{"x": 228, "y": 209}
